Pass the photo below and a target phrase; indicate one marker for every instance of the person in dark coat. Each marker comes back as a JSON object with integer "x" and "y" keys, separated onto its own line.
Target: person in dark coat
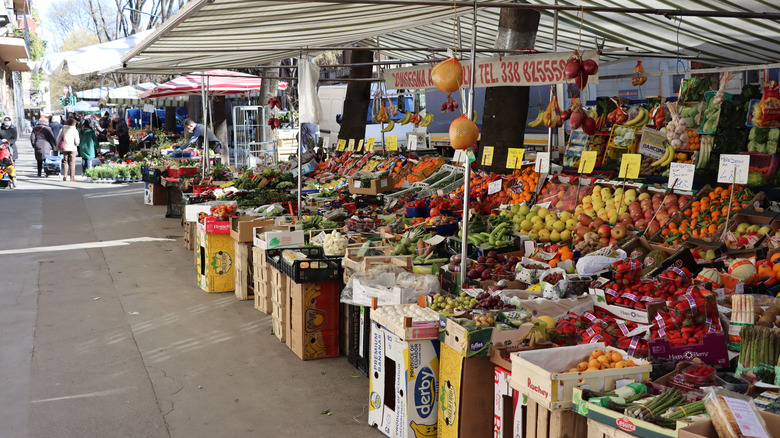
{"x": 8, "y": 132}
{"x": 55, "y": 125}
{"x": 43, "y": 141}
{"x": 197, "y": 130}
{"x": 123, "y": 135}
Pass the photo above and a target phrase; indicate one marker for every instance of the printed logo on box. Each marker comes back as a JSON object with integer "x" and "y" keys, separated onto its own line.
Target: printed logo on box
{"x": 477, "y": 346}
{"x": 537, "y": 389}
{"x": 376, "y": 400}
{"x": 625, "y": 424}
{"x": 447, "y": 401}
{"x": 424, "y": 395}
{"x": 221, "y": 263}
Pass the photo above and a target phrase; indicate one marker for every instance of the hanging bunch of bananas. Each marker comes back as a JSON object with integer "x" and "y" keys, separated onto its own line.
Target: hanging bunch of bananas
{"x": 642, "y": 118}
{"x": 667, "y": 158}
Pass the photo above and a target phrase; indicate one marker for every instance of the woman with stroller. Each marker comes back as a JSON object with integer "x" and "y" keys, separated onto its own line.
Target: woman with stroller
{"x": 68, "y": 144}
{"x": 88, "y": 144}
{"x": 8, "y": 132}
{"x": 43, "y": 141}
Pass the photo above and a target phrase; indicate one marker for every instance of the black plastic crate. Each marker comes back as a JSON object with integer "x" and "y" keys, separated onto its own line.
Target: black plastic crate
{"x": 454, "y": 247}
{"x": 150, "y": 174}
{"x": 175, "y": 203}
{"x": 317, "y": 268}
{"x": 359, "y": 338}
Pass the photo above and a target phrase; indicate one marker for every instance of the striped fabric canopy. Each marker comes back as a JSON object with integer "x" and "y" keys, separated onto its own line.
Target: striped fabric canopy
{"x": 246, "y": 33}
{"x": 222, "y": 82}
{"x": 130, "y": 96}
{"x": 94, "y": 93}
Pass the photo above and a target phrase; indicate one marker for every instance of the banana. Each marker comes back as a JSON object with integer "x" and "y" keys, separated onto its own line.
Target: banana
{"x": 427, "y": 120}
{"x": 593, "y": 114}
{"x": 539, "y": 119}
{"x": 640, "y": 116}
{"x": 667, "y": 153}
{"x": 389, "y": 127}
{"x": 406, "y": 118}
{"x": 671, "y": 156}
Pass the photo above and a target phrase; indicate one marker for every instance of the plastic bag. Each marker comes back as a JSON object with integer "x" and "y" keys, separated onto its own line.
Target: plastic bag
{"x": 529, "y": 270}
{"x": 554, "y": 289}
{"x": 734, "y": 415}
{"x": 594, "y": 263}
{"x": 766, "y": 114}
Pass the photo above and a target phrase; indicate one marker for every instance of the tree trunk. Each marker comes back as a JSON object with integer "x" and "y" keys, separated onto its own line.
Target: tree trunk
{"x": 219, "y": 116}
{"x": 170, "y": 119}
{"x": 506, "y": 108}
{"x": 268, "y": 89}
{"x": 353, "y": 119}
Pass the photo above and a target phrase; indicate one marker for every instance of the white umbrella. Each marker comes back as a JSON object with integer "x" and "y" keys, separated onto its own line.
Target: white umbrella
{"x": 91, "y": 59}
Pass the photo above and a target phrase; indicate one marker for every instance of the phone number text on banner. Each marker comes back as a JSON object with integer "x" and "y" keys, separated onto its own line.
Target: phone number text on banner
{"x": 519, "y": 70}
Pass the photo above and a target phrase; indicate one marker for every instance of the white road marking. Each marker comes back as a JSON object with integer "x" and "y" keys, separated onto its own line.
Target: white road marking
{"x": 85, "y": 245}
{"x": 90, "y": 394}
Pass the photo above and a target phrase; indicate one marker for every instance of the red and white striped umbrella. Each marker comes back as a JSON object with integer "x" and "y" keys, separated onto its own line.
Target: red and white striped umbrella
{"x": 217, "y": 82}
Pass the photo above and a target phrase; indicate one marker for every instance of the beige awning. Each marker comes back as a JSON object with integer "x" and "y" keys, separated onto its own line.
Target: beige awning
{"x": 14, "y": 54}
{"x": 208, "y": 34}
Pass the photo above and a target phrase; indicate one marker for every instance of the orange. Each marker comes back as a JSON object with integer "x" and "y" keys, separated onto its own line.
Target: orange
{"x": 775, "y": 258}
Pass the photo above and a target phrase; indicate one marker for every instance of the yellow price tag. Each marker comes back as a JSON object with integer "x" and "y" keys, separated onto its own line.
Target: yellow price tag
{"x": 340, "y": 145}
{"x": 487, "y": 155}
{"x": 392, "y": 142}
{"x": 351, "y": 144}
{"x": 514, "y": 158}
{"x": 370, "y": 144}
{"x": 227, "y": 184}
{"x": 587, "y": 161}
{"x": 629, "y": 166}
{"x": 360, "y": 145}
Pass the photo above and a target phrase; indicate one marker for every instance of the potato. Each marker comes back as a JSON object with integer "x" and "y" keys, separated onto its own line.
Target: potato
{"x": 758, "y": 311}
{"x": 765, "y": 322}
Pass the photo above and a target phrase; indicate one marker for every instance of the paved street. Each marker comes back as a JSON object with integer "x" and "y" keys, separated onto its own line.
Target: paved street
{"x": 104, "y": 333}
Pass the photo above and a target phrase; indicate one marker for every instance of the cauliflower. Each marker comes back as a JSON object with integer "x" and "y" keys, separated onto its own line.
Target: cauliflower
{"x": 335, "y": 243}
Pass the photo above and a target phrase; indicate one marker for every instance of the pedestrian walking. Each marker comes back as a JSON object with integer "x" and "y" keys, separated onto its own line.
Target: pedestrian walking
{"x": 68, "y": 145}
{"x": 88, "y": 144}
{"x": 56, "y": 125}
{"x": 9, "y": 132}
{"x": 43, "y": 141}
{"x": 122, "y": 133}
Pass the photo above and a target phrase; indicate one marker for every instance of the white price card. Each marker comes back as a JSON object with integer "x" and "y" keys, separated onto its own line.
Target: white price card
{"x": 746, "y": 418}
{"x": 411, "y": 142}
{"x": 733, "y": 169}
{"x": 148, "y": 108}
{"x": 494, "y": 186}
{"x": 326, "y": 142}
{"x": 460, "y": 156}
{"x": 683, "y": 175}
{"x": 542, "y": 164}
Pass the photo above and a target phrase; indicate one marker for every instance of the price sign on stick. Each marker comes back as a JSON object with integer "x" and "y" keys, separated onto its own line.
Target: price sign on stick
{"x": 340, "y": 145}
{"x": 588, "y": 161}
{"x": 733, "y": 169}
{"x": 351, "y": 144}
{"x": 370, "y": 144}
{"x": 360, "y": 145}
{"x": 514, "y": 158}
{"x": 411, "y": 142}
{"x": 326, "y": 142}
{"x": 629, "y": 166}
{"x": 487, "y": 155}
{"x": 392, "y": 142}
{"x": 542, "y": 164}
{"x": 494, "y": 186}
{"x": 683, "y": 174}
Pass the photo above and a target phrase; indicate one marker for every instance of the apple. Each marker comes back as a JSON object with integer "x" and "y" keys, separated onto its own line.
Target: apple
{"x": 585, "y": 219}
{"x": 643, "y": 195}
{"x": 653, "y": 227}
{"x": 604, "y": 242}
{"x": 618, "y": 232}
{"x": 613, "y": 242}
{"x": 604, "y": 230}
{"x": 640, "y": 223}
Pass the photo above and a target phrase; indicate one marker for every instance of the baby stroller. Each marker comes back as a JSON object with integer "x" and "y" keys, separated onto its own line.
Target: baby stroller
{"x": 52, "y": 164}
{"x": 7, "y": 175}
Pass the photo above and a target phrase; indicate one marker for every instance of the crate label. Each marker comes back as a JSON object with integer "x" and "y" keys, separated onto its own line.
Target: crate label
{"x": 383, "y": 182}
{"x": 357, "y": 184}
{"x": 747, "y": 420}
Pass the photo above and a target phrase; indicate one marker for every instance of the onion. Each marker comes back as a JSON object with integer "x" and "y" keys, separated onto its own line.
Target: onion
{"x": 589, "y": 126}
{"x": 581, "y": 81}
{"x": 576, "y": 119}
{"x": 565, "y": 115}
{"x": 590, "y": 67}
{"x": 573, "y": 68}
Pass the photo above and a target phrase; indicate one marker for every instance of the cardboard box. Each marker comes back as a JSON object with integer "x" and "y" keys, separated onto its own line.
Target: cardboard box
{"x": 261, "y": 278}
{"x": 466, "y": 393}
{"x": 270, "y": 239}
{"x": 363, "y": 293}
{"x": 314, "y": 319}
{"x": 242, "y": 227}
{"x": 507, "y": 408}
{"x": 404, "y": 382}
{"x": 375, "y": 187}
{"x": 245, "y": 282}
{"x": 476, "y": 341}
{"x": 191, "y": 211}
{"x": 215, "y": 262}
{"x": 263, "y": 296}
{"x": 633, "y": 426}
{"x": 211, "y": 225}
{"x": 712, "y": 350}
{"x": 641, "y": 316}
{"x": 705, "y": 429}
{"x": 155, "y": 194}
{"x": 189, "y": 235}
{"x": 408, "y": 332}
{"x": 540, "y": 373}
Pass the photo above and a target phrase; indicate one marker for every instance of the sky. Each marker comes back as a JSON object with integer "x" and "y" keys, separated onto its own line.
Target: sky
{"x": 43, "y": 8}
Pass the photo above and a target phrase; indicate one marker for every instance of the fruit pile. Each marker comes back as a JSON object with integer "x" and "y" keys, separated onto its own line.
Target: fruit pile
{"x": 670, "y": 326}
{"x": 561, "y": 195}
{"x": 597, "y": 326}
{"x": 524, "y": 186}
{"x": 599, "y": 360}
{"x": 493, "y": 267}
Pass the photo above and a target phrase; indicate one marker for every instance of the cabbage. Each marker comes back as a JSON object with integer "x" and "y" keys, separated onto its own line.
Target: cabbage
{"x": 774, "y": 134}
{"x": 752, "y": 146}
{"x": 752, "y": 135}
{"x": 756, "y": 179}
{"x": 762, "y": 135}
{"x": 771, "y": 147}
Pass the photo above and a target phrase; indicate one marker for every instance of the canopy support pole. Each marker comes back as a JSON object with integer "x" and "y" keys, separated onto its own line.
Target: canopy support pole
{"x": 300, "y": 144}
{"x": 205, "y": 141}
{"x": 464, "y": 248}
{"x": 552, "y": 94}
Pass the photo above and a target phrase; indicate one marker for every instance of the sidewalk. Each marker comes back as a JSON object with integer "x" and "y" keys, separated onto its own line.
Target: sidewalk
{"x": 112, "y": 338}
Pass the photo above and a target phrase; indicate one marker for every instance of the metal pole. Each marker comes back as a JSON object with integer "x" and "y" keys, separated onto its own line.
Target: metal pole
{"x": 552, "y": 95}
{"x": 205, "y": 143}
{"x": 464, "y": 251}
{"x": 300, "y": 145}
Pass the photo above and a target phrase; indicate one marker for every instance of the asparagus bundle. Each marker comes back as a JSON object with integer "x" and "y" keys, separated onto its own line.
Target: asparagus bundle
{"x": 760, "y": 349}
{"x": 742, "y": 314}
{"x": 657, "y": 406}
{"x": 670, "y": 418}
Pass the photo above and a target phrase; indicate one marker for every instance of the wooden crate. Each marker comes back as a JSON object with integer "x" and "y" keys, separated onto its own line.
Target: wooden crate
{"x": 245, "y": 284}
{"x": 262, "y": 296}
{"x": 279, "y": 327}
{"x": 280, "y": 309}
{"x": 189, "y": 235}
{"x": 601, "y": 430}
{"x": 541, "y": 422}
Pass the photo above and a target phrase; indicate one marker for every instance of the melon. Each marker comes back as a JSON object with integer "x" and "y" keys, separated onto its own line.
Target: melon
{"x": 743, "y": 269}
{"x": 710, "y": 275}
